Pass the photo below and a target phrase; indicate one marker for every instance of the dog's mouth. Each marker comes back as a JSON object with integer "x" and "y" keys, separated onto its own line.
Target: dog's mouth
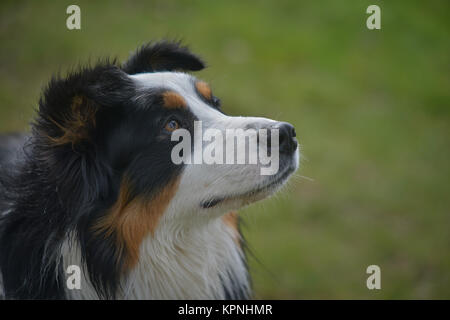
{"x": 260, "y": 192}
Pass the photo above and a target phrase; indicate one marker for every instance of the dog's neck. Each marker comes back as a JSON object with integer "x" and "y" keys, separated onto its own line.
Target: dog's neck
{"x": 198, "y": 261}
{"x": 202, "y": 262}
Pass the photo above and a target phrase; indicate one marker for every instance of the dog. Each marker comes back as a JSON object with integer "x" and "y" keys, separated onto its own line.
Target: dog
{"x": 93, "y": 186}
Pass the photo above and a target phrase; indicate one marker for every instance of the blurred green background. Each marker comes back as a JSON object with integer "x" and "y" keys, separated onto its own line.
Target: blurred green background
{"x": 371, "y": 109}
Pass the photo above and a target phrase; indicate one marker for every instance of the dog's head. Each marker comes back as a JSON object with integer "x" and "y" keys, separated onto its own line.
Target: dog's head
{"x": 146, "y": 140}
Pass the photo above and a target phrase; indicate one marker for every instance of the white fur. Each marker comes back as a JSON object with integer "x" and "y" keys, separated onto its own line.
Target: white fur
{"x": 194, "y": 261}
{"x": 192, "y": 253}
{"x": 210, "y": 180}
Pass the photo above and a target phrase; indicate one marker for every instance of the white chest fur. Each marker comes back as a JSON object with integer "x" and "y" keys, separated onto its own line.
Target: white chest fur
{"x": 199, "y": 262}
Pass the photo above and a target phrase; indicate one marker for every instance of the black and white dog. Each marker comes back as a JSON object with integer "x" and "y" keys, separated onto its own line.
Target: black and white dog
{"x": 94, "y": 185}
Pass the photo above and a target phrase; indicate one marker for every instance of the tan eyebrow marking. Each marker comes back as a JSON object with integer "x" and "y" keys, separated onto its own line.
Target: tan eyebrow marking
{"x": 171, "y": 100}
{"x": 204, "y": 89}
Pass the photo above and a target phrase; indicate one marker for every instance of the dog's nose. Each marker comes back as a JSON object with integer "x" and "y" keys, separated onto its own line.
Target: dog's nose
{"x": 288, "y": 143}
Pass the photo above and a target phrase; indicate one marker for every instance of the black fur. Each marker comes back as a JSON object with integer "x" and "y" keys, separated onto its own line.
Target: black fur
{"x": 162, "y": 56}
{"x": 63, "y": 188}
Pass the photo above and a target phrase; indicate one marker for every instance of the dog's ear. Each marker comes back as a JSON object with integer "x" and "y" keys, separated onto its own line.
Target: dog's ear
{"x": 162, "y": 56}
{"x": 68, "y": 107}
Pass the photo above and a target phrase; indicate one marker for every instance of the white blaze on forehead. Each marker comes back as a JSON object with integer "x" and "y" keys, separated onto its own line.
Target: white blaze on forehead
{"x": 183, "y": 84}
{"x": 212, "y": 180}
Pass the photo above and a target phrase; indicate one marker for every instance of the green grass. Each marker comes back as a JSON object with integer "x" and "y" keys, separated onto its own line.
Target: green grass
{"x": 371, "y": 109}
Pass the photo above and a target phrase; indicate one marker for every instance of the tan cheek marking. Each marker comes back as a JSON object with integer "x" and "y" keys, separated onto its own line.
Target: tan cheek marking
{"x": 130, "y": 221}
{"x": 173, "y": 100}
{"x": 75, "y": 126}
{"x": 231, "y": 219}
{"x": 204, "y": 89}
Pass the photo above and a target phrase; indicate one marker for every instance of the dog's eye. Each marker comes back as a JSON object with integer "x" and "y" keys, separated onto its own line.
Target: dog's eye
{"x": 172, "y": 125}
